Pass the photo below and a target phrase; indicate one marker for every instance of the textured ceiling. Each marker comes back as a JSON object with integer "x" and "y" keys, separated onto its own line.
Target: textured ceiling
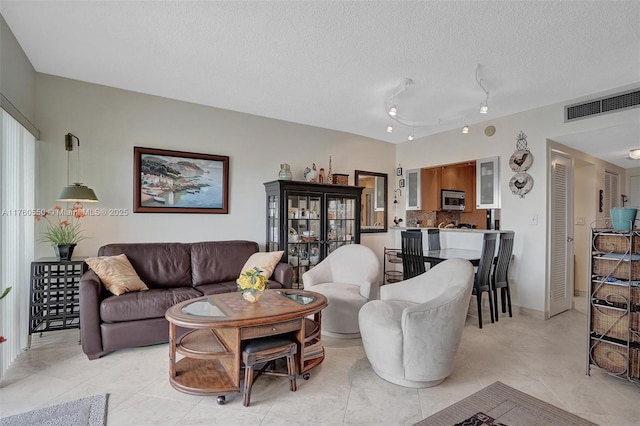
{"x": 332, "y": 64}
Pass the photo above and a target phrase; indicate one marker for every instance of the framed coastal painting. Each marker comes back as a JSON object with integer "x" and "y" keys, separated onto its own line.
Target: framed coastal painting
{"x": 180, "y": 182}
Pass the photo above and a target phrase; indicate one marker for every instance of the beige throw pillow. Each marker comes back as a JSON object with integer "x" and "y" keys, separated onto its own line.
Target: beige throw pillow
{"x": 116, "y": 273}
{"x": 265, "y": 261}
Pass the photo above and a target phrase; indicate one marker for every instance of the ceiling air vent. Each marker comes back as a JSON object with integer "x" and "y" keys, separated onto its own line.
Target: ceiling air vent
{"x": 617, "y": 102}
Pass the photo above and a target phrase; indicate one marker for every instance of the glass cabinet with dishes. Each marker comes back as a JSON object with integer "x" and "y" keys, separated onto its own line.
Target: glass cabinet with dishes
{"x": 310, "y": 220}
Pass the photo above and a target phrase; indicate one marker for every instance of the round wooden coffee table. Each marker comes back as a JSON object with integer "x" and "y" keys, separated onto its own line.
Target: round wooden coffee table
{"x": 211, "y": 363}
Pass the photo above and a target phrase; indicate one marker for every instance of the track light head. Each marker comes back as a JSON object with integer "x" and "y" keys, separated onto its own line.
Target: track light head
{"x": 484, "y": 109}
{"x": 393, "y": 111}
{"x": 465, "y": 129}
{"x": 389, "y": 128}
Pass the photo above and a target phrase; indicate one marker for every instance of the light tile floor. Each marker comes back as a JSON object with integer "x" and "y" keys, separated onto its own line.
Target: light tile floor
{"x": 545, "y": 359}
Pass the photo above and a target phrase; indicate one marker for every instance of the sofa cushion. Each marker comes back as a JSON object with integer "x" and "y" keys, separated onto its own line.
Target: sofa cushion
{"x": 138, "y": 306}
{"x": 159, "y": 265}
{"x": 116, "y": 273}
{"x": 265, "y": 261}
{"x": 219, "y": 261}
{"x": 217, "y": 288}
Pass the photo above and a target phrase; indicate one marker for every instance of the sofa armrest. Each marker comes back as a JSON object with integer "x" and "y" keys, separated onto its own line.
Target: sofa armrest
{"x": 283, "y": 273}
{"x": 90, "y": 298}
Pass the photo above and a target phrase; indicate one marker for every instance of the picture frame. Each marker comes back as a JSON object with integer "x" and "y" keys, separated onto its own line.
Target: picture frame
{"x": 401, "y": 183}
{"x": 167, "y": 181}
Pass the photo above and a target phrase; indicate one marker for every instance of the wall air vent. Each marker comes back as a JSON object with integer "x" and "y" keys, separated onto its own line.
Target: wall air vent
{"x": 613, "y": 103}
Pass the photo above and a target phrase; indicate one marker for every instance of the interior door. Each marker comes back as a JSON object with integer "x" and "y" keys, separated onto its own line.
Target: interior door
{"x": 560, "y": 234}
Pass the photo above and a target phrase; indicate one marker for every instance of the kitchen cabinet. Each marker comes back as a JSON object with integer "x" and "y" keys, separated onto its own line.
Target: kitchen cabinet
{"x": 460, "y": 177}
{"x": 488, "y": 183}
{"x": 414, "y": 195}
{"x": 430, "y": 186}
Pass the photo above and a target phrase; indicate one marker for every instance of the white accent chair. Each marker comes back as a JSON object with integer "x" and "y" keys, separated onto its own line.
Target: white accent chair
{"x": 348, "y": 277}
{"x": 411, "y": 335}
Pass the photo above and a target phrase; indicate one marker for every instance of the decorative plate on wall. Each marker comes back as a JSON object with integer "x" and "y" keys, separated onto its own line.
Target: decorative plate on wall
{"x": 521, "y": 160}
{"x": 520, "y": 184}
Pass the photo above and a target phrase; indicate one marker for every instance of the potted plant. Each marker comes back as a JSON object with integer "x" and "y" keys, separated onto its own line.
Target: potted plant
{"x": 63, "y": 230}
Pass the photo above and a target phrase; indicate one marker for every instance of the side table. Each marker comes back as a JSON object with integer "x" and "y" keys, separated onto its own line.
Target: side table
{"x": 54, "y": 303}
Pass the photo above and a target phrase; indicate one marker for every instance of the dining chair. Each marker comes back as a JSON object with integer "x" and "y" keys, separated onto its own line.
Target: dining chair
{"x": 482, "y": 281}
{"x": 433, "y": 238}
{"x": 500, "y": 278}
{"x": 412, "y": 254}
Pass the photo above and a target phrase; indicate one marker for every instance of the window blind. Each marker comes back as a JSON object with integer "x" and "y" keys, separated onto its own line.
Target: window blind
{"x": 17, "y": 232}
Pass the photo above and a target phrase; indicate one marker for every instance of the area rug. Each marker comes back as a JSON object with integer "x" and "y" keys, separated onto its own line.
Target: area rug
{"x": 499, "y": 404}
{"x": 90, "y": 411}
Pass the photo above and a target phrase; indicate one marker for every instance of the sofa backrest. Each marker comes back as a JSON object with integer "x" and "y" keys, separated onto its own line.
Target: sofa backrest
{"x": 159, "y": 265}
{"x": 219, "y": 261}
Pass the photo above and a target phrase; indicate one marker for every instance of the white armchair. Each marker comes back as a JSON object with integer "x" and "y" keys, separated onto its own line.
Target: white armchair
{"x": 411, "y": 335}
{"x": 348, "y": 278}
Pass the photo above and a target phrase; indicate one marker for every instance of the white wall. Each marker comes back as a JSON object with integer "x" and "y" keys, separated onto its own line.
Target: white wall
{"x": 110, "y": 122}
{"x": 528, "y": 272}
{"x": 632, "y": 186}
{"x": 17, "y": 75}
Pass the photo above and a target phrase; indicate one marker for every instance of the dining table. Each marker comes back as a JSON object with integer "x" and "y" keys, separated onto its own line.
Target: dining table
{"x": 433, "y": 257}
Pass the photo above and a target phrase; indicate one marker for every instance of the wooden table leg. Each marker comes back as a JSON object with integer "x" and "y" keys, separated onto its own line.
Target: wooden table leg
{"x": 172, "y": 350}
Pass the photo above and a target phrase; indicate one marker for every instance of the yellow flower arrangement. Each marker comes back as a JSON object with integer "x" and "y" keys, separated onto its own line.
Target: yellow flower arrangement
{"x": 251, "y": 280}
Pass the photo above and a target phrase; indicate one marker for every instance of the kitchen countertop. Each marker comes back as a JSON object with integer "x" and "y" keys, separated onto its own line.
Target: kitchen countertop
{"x": 479, "y": 231}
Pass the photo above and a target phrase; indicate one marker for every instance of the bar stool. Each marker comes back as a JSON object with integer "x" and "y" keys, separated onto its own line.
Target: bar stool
{"x": 268, "y": 349}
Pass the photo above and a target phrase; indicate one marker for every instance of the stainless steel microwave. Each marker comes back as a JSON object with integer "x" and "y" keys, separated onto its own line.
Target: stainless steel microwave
{"x": 453, "y": 200}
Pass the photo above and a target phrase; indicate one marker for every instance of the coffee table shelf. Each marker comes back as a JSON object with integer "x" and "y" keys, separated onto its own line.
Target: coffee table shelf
{"x": 202, "y": 344}
{"x": 203, "y": 377}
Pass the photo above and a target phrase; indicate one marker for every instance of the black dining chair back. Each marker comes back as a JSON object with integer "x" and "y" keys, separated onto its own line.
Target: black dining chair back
{"x": 500, "y": 278}
{"x": 412, "y": 254}
{"x": 433, "y": 236}
{"x": 482, "y": 282}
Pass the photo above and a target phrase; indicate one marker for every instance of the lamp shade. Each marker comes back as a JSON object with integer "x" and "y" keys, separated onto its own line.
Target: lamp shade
{"x": 77, "y": 193}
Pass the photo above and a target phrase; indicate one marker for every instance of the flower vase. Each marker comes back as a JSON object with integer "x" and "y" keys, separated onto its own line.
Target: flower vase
{"x": 63, "y": 251}
{"x": 252, "y": 296}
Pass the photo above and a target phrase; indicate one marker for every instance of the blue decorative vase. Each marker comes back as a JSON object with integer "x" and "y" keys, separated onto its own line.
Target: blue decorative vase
{"x": 623, "y": 218}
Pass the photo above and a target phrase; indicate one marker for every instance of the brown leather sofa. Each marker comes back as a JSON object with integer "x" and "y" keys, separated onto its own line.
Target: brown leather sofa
{"x": 174, "y": 272}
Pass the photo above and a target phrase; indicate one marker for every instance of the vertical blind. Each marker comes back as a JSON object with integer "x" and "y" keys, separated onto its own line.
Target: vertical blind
{"x": 17, "y": 209}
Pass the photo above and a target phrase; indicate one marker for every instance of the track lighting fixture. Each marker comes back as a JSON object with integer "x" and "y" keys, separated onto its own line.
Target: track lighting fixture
{"x": 391, "y": 109}
{"x": 484, "y": 107}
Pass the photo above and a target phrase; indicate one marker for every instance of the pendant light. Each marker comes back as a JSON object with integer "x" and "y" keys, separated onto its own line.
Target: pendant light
{"x": 75, "y": 192}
